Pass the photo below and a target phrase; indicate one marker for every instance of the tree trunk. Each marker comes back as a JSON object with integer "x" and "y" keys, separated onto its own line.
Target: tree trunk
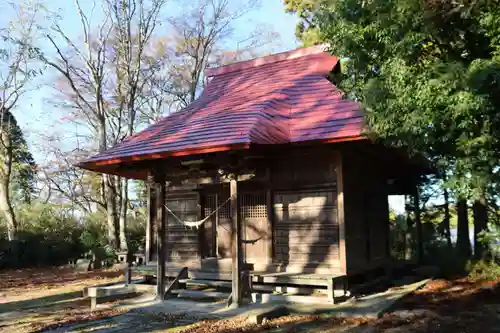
{"x": 447, "y": 219}
{"x": 418, "y": 226}
{"x": 7, "y": 210}
{"x": 109, "y": 189}
{"x": 463, "y": 240}
{"x": 110, "y": 209}
{"x": 5, "y": 173}
{"x": 480, "y": 212}
{"x": 409, "y": 241}
{"x": 123, "y": 216}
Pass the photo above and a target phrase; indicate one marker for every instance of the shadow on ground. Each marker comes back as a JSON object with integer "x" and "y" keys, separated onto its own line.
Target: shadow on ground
{"x": 442, "y": 307}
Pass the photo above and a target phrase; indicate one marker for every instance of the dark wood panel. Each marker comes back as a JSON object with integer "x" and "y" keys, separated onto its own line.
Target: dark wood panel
{"x": 309, "y": 258}
{"x": 300, "y": 226}
{"x": 306, "y": 227}
{"x": 256, "y": 226}
{"x": 182, "y": 241}
{"x": 304, "y": 169}
{"x": 366, "y": 214}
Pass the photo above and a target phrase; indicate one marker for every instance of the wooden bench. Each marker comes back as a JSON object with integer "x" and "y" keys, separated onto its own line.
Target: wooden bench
{"x": 331, "y": 282}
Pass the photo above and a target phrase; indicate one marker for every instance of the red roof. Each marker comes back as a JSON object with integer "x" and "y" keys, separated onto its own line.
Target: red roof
{"x": 277, "y": 99}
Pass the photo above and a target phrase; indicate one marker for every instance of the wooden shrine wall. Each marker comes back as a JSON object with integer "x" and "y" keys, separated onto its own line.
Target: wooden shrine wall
{"x": 306, "y": 224}
{"x": 182, "y": 242}
{"x": 366, "y": 212}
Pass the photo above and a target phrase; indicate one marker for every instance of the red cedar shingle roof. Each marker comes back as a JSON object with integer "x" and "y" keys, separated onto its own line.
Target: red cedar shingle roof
{"x": 278, "y": 99}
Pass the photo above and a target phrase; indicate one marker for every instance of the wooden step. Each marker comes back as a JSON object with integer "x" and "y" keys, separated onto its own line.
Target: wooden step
{"x": 208, "y": 283}
{"x": 195, "y": 294}
{"x": 261, "y": 298}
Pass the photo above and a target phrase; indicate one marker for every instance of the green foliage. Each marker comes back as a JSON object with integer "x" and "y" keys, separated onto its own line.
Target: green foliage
{"x": 52, "y": 235}
{"x": 491, "y": 239}
{"x": 47, "y": 235}
{"x": 306, "y": 30}
{"x": 485, "y": 270}
{"x": 427, "y": 77}
{"x": 400, "y": 234}
{"x": 94, "y": 239}
{"x": 136, "y": 229}
{"x": 23, "y": 174}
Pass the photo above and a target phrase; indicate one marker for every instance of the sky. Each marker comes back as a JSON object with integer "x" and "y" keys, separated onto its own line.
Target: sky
{"x": 37, "y": 115}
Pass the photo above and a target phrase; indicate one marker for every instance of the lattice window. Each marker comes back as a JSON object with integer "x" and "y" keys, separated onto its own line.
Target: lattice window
{"x": 224, "y": 211}
{"x": 253, "y": 206}
{"x": 210, "y": 205}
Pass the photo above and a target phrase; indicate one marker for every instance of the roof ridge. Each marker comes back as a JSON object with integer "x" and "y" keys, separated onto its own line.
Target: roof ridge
{"x": 269, "y": 59}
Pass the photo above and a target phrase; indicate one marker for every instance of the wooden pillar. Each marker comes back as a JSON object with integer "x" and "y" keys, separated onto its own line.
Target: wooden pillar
{"x": 270, "y": 225}
{"x": 216, "y": 227}
{"x": 418, "y": 225}
{"x": 160, "y": 238}
{"x": 151, "y": 221}
{"x": 237, "y": 250}
{"x": 341, "y": 215}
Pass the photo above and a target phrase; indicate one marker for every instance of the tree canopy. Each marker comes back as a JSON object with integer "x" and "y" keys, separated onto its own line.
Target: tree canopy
{"x": 427, "y": 74}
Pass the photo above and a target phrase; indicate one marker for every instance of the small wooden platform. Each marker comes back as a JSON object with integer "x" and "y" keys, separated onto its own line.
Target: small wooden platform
{"x": 218, "y": 274}
{"x": 259, "y": 277}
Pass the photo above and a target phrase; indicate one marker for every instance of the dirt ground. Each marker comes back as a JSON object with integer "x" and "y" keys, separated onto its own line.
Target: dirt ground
{"x": 42, "y": 300}
{"x": 16, "y": 285}
{"x": 32, "y": 299}
{"x": 442, "y": 306}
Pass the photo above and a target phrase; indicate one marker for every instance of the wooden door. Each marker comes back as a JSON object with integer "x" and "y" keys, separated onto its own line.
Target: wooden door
{"x": 182, "y": 242}
{"x": 209, "y": 234}
{"x": 256, "y": 229}
{"x": 255, "y": 226}
{"x": 217, "y": 230}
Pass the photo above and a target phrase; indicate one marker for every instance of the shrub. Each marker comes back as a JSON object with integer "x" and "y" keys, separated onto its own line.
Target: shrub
{"x": 95, "y": 242}
{"x": 47, "y": 235}
{"x": 485, "y": 270}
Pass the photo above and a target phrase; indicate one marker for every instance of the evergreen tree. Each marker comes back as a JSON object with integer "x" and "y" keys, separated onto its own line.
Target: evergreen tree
{"x": 427, "y": 74}
{"x": 17, "y": 169}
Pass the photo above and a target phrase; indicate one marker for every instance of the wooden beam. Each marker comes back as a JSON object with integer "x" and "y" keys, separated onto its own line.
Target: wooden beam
{"x": 210, "y": 179}
{"x": 418, "y": 224}
{"x": 176, "y": 284}
{"x": 216, "y": 227}
{"x": 201, "y": 234}
{"x": 151, "y": 221}
{"x": 341, "y": 215}
{"x": 160, "y": 237}
{"x": 237, "y": 250}
{"x": 270, "y": 226}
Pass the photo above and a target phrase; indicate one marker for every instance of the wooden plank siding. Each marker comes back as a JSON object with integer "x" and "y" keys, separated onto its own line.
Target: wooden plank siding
{"x": 257, "y": 231}
{"x": 306, "y": 229}
{"x": 306, "y": 224}
{"x": 182, "y": 242}
{"x": 317, "y": 212}
{"x": 366, "y": 211}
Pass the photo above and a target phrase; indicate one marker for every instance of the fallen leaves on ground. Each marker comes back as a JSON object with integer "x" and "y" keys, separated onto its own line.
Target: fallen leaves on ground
{"x": 443, "y": 306}
{"x": 16, "y": 285}
{"x": 32, "y": 277}
{"x": 32, "y": 297}
{"x": 287, "y": 323}
{"x": 75, "y": 317}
